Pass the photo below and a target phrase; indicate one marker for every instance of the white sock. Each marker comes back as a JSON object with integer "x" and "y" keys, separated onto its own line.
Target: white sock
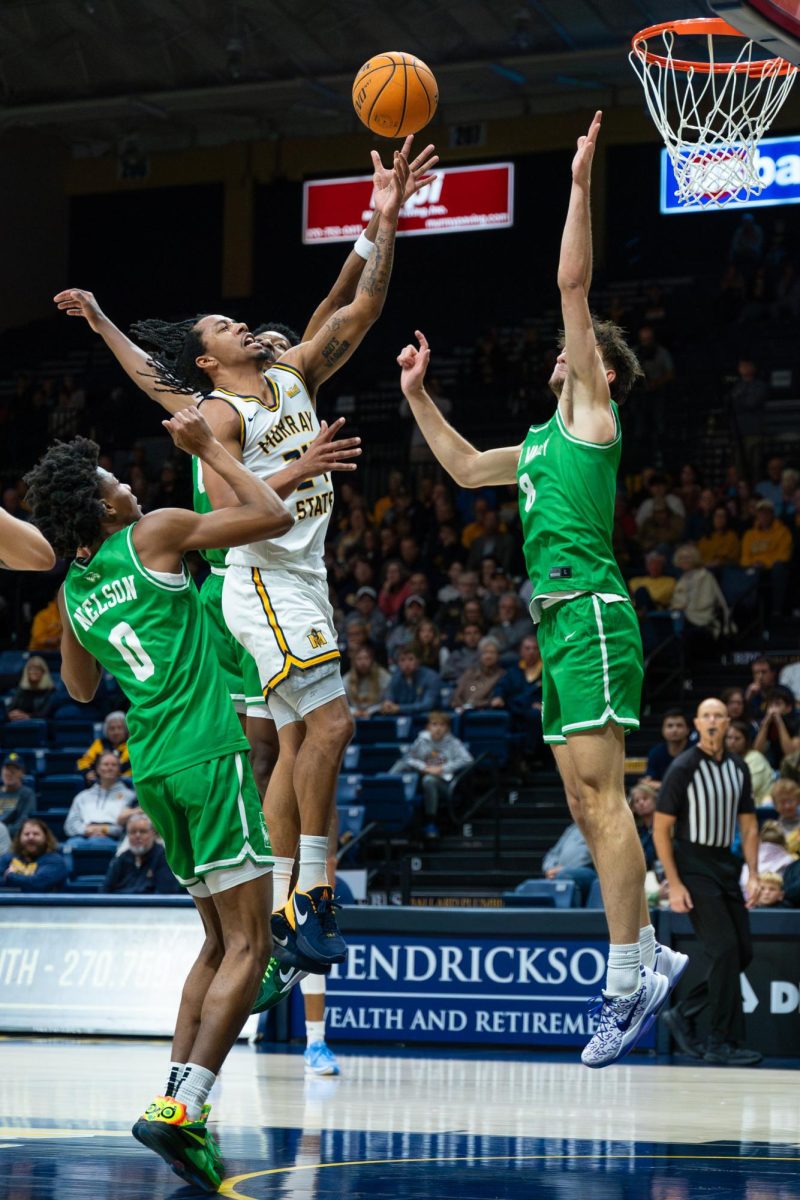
{"x": 315, "y": 1032}
{"x": 313, "y": 985}
{"x": 647, "y": 946}
{"x": 623, "y": 970}
{"x": 173, "y": 1079}
{"x": 281, "y": 881}
{"x": 193, "y": 1089}
{"x": 313, "y": 862}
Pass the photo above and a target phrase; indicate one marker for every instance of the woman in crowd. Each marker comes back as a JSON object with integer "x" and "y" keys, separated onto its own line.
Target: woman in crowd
{"x": 721, "y": 547}
{"x": 365, "y": 682}
{"x": 35, "y": 691}
{"x": 642, "y": 800}
{"x": 739, "y": 740}
{"x": 427, "y": 645}
{"x": 735, "y": 701}
{"x": 114, "y": 737}
{"x": 697, "y": 595}
{"x": 476, "y": 685}
{"x": 395, "y": 588}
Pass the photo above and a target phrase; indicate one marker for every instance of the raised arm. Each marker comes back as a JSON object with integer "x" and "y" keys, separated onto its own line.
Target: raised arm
{"x": 22, "y": 546}
{"x": 162, "y": 537}
{"x": 344, "y": 289}
{"x": 76, "y": 302}
{"x": 469, "y": 467}
{"x": 336, "y": 340}
{"x": 80, "y": 671}
{"x": 584, "y": 401}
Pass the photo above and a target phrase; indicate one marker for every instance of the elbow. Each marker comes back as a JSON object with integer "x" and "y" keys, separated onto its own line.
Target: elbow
{"x": 43, "y": 559}
{"x": 277, "y": 525}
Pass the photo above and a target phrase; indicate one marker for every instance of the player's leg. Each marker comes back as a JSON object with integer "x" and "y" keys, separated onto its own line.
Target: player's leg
{"x": 260, "y": 727}
{"x": 319, "y": 1058}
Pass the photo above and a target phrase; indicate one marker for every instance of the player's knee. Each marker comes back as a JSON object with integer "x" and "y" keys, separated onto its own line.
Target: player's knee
{"x": 213, "y": 950}
{"x": 335, "y": 728}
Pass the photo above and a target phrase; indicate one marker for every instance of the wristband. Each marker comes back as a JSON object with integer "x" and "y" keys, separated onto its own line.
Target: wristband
{"x": 363, "y": 246}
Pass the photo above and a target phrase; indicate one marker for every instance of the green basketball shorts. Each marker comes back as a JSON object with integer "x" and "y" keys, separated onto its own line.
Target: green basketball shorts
{"x": 237, "y": 665}
{"x": 210, "y": 819}
{"x": 591, "y": 666}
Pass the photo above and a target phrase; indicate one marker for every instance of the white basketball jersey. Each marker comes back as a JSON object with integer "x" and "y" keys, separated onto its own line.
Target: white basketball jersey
{"x": 273, "y": 433}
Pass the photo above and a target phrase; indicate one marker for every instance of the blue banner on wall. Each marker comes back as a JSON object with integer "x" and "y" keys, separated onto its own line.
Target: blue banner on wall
{"x": 450, "y": 990}
{"x": 777, "y": 163}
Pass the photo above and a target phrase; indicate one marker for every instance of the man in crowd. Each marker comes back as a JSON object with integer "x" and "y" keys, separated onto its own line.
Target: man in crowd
{"x": 98, "y": 814}
{"x": 17, "y": 800}
{"x": 34, "y": 863}
{"x": 413, "y": 689}
{"x": 675, "y": 734}
{"x": 570, "y": 858}
{"x": 141, "y": 870}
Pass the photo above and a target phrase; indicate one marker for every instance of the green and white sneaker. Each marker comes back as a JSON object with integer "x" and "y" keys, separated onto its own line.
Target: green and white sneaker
{"x": 188, "y": 1147}
{"x": 279, "y": 979}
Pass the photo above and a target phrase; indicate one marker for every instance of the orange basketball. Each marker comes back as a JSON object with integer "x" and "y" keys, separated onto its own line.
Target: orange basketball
{"x": 395, "y": 94}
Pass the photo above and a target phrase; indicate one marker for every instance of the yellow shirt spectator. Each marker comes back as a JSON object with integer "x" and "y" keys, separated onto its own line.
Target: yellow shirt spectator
{"x": 768, "y": 542}
{"x": 46, "y": 628}
{"x": 660, "y": 587}
{"x": 720, "y": 549}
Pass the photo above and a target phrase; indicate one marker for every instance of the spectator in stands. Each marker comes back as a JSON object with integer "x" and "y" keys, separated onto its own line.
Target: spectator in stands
{"x": 767, "y": 548}
{"x": 438, "y": 756}
{"x": 394, "y": 590}
{"x": 512, "y": 625}
{"x": 721, "y": 547}
{"x": 492, "y": 541}
{"x": 449, "y": 617}
{"x": 698, "y": 520}
{"x": 698, "y": 596}
{"x": 142, "y": 869}
{"x": 405, "y": 632}
{"x": 382, "y": 506}
{"x": 449, "y": 591}
{"x": 771, "y": 894}
{"x": 788, "y": 503}
{"x": 739, "y": 740}
{"x": 350, "y": 539}
{"x": 771, "y": 488}
{"x": 764, "y": 679}
{"x": 410, "y": 555}
{"x": 412, "y": 689}
{"x": 476, "y": 685}
{"x": 17, "y": 800}
{"x": 656, "y": 361}
{"x": 497, "y": 584}
{"x": 790, "y": 678}
{"x": 114, "y": 737}
{"x": 690, "y": 490}
{"x": 652, "y": 592}
{"x": 570, "y": 859}
{"x": 46, "y": 627}
{"x": 519, "y": 692}
{"x": 642, "y": 799}
{"x": 657, "y": 488}
{"x": 447, "y": 551}
{"x": 773, "y": 853}
{"x": 778, "y": 732}
{"x": 34, "y": 863}
{"x": 675, "y": 739}
{"x": 662, "y": 530}
{"x": 98, "y": 814}
{"x": 786, "y": 800}
{"x": 36, "y": 691}
{"x": 367, "y": 612}
{"x": 747, "y": 398}
{"x": 465, "y": 653}
{"x": 365, "y": 683}
{"x": 427, "y": 645}
{"x": 474, "y": 528}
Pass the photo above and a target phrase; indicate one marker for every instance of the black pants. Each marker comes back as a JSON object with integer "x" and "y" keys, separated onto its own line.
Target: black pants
{"x": 434, "y": 791}
{"x": 721, "y": 923}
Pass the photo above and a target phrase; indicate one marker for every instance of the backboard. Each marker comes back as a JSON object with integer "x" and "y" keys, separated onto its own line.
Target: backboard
{"x": 774, "y": 24}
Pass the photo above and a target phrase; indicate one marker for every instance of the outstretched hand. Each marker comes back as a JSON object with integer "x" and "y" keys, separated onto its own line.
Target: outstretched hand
{"x": 190, "y": 431}
{"x": 76, "y": 302}
{"x": 582, "y": 162}
{"x": 390, "y": 186}
{"x": 419, "y": 168}
{"x": 326, "y": 454}
{"x": 414, "y": 363}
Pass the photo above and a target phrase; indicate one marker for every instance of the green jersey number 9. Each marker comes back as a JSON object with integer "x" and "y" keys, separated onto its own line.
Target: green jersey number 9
{"x": 529, "y": 490}
{"x": 123, "y": 638}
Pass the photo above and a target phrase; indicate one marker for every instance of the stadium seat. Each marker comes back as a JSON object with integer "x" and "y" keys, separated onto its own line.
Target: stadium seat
{"x": 486, "y": 732}
{"x": 58, "y": 791}
{"x": 63, "y": 761}
{"x": 375, "y": 729}
{"x": 351, "y": 819}
{"x": 543, "y": 893}
{"x": 595, "y": 897}
{"x": 72, "y": 733}
{"x": 377, "y": 757}
{"x": 23, "y": 734}
{"x": 86, "y": 885}
{"x": 347, "y": 789}
{"x": 91, "y": 862}
{"x": 12, "y": 664}
{"x": 385, "y": 802}
{"x": 54, "y": 819}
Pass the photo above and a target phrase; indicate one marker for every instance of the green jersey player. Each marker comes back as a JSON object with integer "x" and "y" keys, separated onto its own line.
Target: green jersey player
{"x": 128, "y": 605}
{"x": 588, "y": 633}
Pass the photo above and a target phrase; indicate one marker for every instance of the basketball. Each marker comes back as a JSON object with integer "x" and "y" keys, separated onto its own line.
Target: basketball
{"x": 395, "y": 94}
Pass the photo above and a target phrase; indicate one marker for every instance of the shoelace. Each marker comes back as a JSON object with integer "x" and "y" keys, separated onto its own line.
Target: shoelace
{"x": 601, "y": 1006}
{"x": 326, "y": 911}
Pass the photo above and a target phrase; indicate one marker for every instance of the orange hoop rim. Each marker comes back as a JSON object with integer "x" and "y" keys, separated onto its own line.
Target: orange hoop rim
{"x": 714, "y": 26}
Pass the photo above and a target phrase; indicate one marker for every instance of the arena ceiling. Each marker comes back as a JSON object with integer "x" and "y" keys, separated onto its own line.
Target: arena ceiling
{"x": 180, "y": 73}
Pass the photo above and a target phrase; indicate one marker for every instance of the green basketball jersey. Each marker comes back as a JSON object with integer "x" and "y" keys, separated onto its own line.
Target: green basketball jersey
{"x": 567, "y": 489}
{"x": 202, "y": 504}
{"x": 151, "y": 635}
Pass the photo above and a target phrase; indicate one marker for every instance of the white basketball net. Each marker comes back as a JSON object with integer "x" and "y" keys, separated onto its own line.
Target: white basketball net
{"x": 712, "y": 122}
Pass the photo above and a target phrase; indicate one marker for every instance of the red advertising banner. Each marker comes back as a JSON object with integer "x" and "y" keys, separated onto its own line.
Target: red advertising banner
{"x": 456, "y": 200}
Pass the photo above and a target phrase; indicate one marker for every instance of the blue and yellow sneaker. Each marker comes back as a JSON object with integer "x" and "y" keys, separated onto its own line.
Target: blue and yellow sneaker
{"x": 186, "y": 1146}
{"x": 305, "y": 933}
{"x": 278, "y": 980}
{"x": 320, "y": 1059}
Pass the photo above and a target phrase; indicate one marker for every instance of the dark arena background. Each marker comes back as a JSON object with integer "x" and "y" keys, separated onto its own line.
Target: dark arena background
{"x": 175, "y": 159}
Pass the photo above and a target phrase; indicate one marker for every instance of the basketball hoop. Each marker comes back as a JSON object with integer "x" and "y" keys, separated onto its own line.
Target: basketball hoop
{"x": 712, "y": 110}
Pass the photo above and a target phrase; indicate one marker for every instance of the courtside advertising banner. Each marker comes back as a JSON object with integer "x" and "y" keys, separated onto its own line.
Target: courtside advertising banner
{"x": 777, "y": 162}
{"x": 457, "y": 200}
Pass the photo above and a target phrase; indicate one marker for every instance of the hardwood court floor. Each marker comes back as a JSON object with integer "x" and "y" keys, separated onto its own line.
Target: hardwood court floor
{"x": 467, "y": 1127}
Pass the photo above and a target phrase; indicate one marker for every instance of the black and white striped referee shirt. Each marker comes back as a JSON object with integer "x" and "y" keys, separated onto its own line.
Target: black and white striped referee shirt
{"x": 706, "y": 796}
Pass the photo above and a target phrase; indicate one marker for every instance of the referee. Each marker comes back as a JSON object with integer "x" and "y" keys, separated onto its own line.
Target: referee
{"x": 703, "y": 795}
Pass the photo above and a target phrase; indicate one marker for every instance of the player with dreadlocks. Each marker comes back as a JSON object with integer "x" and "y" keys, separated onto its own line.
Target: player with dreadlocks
{"x": 174, "y": 346}
{"x": 129, "y": 606}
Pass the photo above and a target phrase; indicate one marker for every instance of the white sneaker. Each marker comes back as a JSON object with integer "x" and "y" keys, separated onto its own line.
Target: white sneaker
{"x": 670, "y": 962}
{"x": 625, "y": 1019}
